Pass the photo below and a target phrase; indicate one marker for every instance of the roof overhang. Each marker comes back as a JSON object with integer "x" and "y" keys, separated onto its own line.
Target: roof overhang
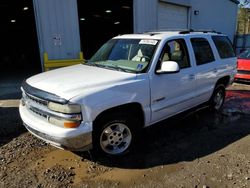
{"x": 235, "y": 1}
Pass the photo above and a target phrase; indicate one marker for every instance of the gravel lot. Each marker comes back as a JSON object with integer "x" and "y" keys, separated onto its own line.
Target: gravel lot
{"x": 196, "y": 149}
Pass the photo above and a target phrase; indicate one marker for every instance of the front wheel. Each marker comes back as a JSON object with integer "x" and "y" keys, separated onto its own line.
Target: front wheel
{"x": 217, "y": 100}
{"x": 114, "y": 134}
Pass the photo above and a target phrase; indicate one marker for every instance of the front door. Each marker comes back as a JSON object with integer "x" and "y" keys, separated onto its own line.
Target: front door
{"x": 172, "y": 93}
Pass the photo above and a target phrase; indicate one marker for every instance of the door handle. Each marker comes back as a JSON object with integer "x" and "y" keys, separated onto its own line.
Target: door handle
{"x": 191, "y": 76}
{"x": 215, "y": 70}
{"x": 159, "y": 99}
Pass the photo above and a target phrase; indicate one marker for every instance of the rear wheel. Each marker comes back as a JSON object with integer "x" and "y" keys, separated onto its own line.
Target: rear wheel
{"x": 114, "y": 134}
{"x": 217, "y": 100}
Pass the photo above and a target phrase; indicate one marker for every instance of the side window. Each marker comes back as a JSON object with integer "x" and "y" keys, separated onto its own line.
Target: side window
{"x": 224, "y": 46}
{"x": 176, "y": 50}
{"x": 202, "y": 51}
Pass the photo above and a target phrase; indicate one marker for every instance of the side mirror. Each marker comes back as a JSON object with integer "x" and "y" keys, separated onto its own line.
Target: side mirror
{"x": 168, "y": 67}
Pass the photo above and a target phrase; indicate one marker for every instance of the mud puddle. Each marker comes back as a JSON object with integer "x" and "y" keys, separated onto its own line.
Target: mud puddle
{"x": 238, "y": 101}
{"x": 84, "y": 170}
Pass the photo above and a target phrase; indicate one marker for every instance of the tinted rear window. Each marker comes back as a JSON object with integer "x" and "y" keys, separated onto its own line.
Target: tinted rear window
{"x": 202, "y": 50}
{"x": 224, "y": 46}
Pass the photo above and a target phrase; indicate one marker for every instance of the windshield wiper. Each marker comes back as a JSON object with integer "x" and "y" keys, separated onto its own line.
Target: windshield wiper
{"x": 111, "y": 66}
{"x": 116, "y": 67}
{"x": 95, "y": 64}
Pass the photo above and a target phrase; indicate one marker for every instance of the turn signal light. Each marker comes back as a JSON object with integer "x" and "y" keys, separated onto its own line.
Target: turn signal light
{"x": 71, "y": 124}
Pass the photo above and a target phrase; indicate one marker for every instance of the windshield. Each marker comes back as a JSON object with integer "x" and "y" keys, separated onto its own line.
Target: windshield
{"x": 129, "y": 55}
{"x": 245, "y": 55}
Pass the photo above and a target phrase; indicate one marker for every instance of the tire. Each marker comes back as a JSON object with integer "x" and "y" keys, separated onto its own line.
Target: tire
{"x": 114, "y": 134}
{"x": 217, "y": 100}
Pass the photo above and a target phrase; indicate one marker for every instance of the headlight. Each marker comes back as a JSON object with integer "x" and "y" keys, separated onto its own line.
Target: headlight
{"x": 64, "y": 108}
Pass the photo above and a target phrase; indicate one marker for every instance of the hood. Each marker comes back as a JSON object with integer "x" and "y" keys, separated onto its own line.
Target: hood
{"x": 71, "y": 81}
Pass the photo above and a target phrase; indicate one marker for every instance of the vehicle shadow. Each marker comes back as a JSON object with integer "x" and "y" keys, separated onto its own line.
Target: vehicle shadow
{"x": 10, "y": 121}
{"x": 10, "y": 124}
{"x": 183, "y": 138}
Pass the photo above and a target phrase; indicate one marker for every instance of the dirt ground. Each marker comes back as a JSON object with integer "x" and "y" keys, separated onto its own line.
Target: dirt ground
{"x": 195, "y": 149}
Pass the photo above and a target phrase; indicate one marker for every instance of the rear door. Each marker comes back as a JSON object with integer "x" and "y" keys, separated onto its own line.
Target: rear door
{"x": 206, "y": 67}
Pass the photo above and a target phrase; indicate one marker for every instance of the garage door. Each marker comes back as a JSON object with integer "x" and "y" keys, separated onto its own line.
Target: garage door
{"x": 172, "y": 16}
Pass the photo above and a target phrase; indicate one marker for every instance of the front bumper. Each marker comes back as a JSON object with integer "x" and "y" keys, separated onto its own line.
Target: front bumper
{"x": 74, "y": 139}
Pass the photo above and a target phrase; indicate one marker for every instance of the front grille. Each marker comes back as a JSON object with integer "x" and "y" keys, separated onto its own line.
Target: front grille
{"x": 243, "y": 71}
{"x": 36, "y": 99}
{"x": 38, "y": 113}
{"x": 35, "y": 105}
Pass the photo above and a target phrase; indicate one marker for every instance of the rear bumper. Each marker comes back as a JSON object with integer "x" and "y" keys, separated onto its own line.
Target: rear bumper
{"x": 74, "y": 139}
{"x": 242, "y": 77}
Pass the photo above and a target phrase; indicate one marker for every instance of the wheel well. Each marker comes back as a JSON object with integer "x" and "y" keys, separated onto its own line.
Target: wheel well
{"x": 224, "y": 80}
{"x": 134, "y": 109}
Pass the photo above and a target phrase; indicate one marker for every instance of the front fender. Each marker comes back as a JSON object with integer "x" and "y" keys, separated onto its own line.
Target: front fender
{"x": 96, "y": 102}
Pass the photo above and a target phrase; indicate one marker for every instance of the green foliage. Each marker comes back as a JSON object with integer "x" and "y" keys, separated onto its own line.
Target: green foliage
{"x": 243, "y": 21}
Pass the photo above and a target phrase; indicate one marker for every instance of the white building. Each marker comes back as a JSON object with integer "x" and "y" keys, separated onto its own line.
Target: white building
{"x": 66, "y": 27}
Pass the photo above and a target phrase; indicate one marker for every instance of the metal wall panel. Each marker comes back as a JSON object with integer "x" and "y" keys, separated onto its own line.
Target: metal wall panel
{"x": 171, "y": 16}
{"x": 178, "y": 2}
{"x": 217, "y": 15}
{"x": 212, "y": 14}
{"x": 145, "y": 15}
{"x": 57, "y": 28}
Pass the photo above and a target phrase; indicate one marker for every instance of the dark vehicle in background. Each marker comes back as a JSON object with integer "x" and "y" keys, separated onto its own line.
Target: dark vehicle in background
{"x": 243, "y": 67}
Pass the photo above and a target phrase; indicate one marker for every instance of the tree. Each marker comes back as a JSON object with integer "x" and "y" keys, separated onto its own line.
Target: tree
{"x": 243, "y": 21}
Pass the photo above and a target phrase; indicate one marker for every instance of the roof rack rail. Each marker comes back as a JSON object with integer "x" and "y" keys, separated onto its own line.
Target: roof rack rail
{"x": 181, "y": 31}
{"x": 158, "y": 31}
{"x": 200, "y": 31}
{"x": 162, "y": 30}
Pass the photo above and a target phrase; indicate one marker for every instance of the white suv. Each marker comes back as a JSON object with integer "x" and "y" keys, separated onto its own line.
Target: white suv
{"x": 133, "y": 81}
